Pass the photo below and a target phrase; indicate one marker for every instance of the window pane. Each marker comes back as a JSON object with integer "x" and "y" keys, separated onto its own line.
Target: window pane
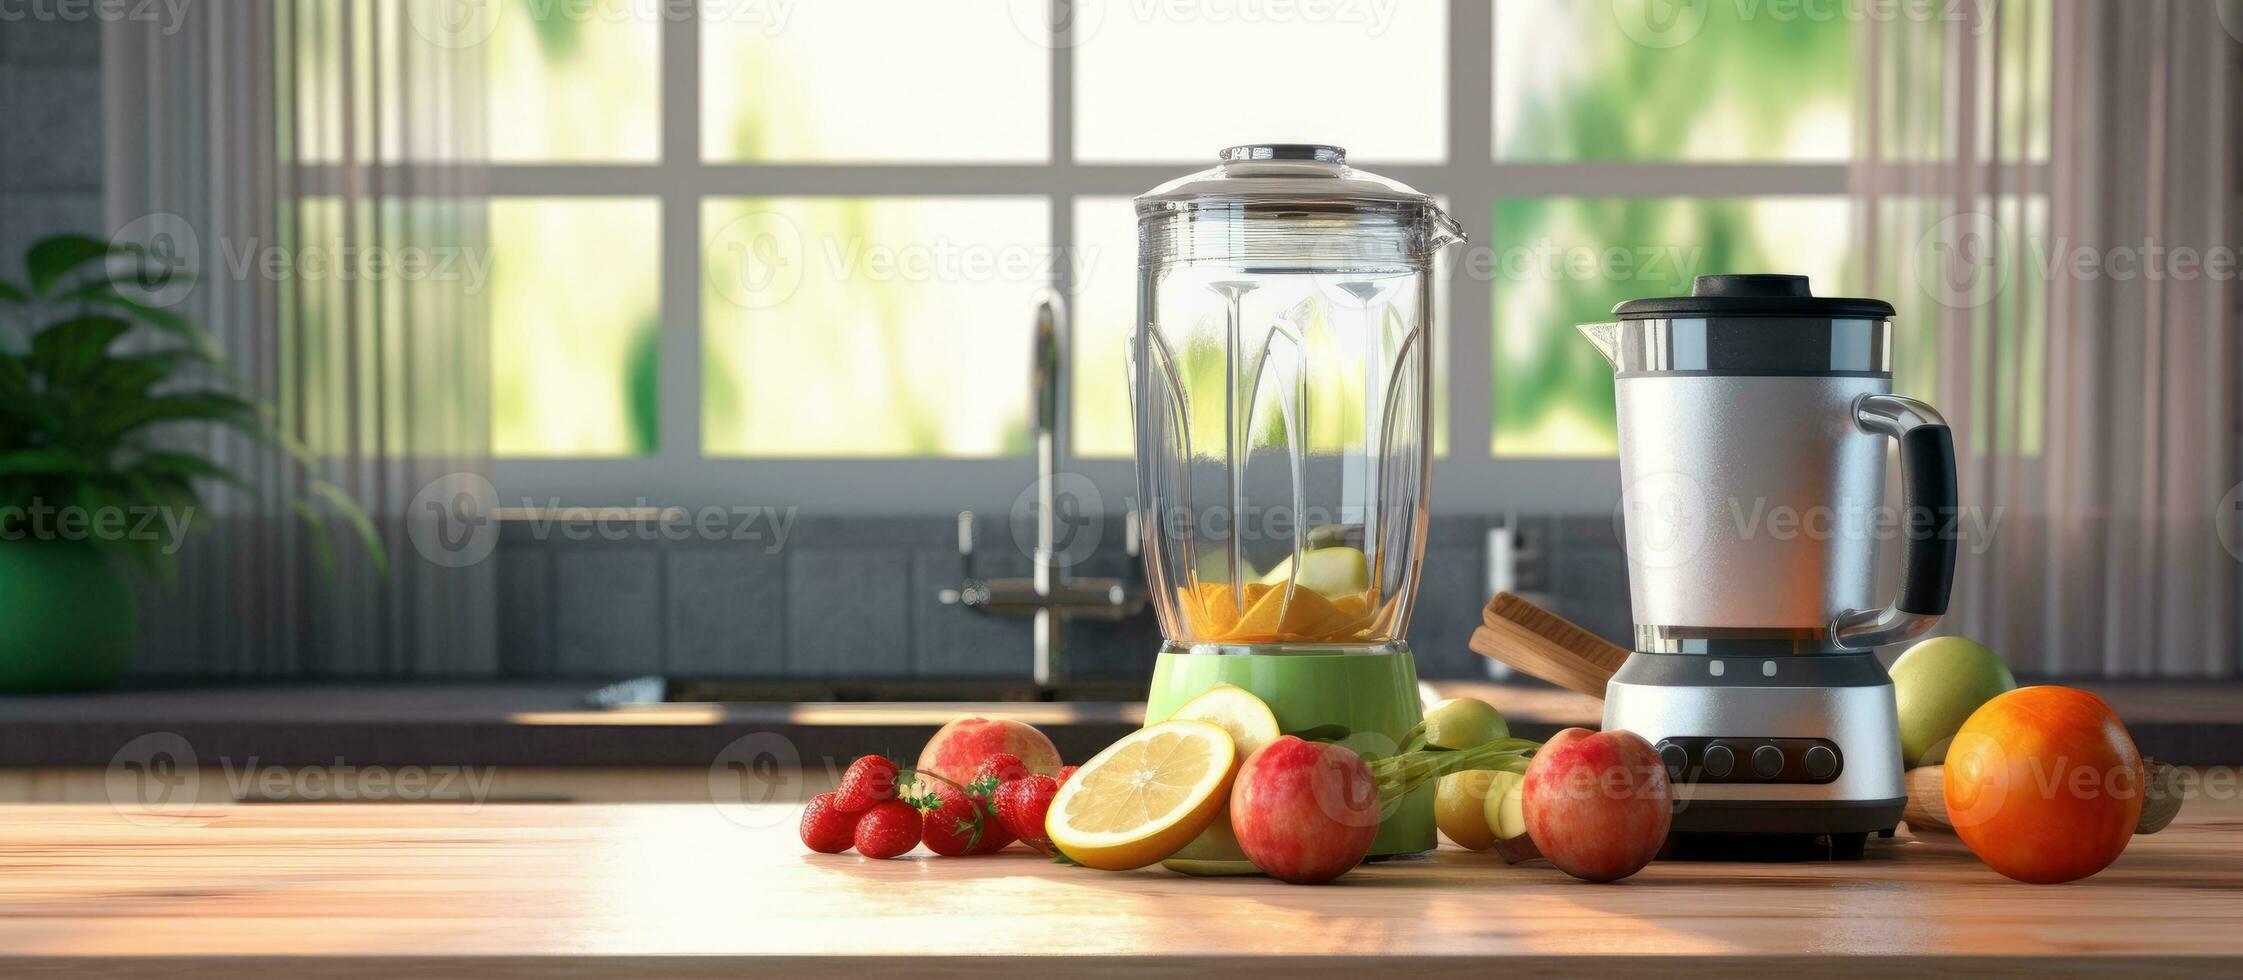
{"x": 869, "y": 326}
{"x": 575, "y": 81}
{"x": 560, "y": 80}
{"x": 1662, "y": 80}
{"x": 575, "y": 320}
{"x": 1562, "y": 261}
{"x": 884, "y": 81}
{"x": 1105, "y": 311}
{"x": 1179, "y": 81}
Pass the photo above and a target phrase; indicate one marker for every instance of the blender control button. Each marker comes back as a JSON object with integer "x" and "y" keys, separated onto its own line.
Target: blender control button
{"x": 1675, "y": 757}
{"x": 1767, "y": 761}
{"x": 1720, "y": 761}
{"x": 1821, "y": 762}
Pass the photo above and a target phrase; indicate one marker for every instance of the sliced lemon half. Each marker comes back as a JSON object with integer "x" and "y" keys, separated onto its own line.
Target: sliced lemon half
{"x": 1144, "y": 797}
{"x": 1236, "y": 710}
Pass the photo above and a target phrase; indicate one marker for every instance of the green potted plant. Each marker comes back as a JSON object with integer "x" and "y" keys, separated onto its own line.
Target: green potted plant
{"x": 95, "y": 387}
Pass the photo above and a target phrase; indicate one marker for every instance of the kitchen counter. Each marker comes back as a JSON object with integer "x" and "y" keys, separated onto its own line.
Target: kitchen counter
{"x": 584, "y": 890}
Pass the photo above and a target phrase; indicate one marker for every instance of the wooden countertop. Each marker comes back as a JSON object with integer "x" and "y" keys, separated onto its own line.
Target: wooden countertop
{"x": 386, "y": 890}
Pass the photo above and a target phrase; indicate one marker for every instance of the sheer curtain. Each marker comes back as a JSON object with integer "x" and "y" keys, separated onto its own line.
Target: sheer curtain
{"x": 2063, "y": 253}
{"x": 313, "y": 164}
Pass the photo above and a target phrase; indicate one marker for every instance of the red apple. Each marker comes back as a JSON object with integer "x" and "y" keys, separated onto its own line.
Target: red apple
{"x": 1304, "y": 812}
{"x": 1598, "y": 804}
{"x": 958, "y": 748}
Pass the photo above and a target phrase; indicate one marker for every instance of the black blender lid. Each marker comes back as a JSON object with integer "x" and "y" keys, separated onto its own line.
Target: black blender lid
{"x": 1753, "y": 295}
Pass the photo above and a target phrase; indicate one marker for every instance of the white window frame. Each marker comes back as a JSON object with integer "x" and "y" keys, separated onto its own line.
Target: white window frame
{"x": 1469, "y": 480}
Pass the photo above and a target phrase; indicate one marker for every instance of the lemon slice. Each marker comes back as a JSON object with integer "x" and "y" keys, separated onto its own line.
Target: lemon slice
{"x": 1251, "y": 725}
{"x": 1236, "y": 710}
{"x": 1145, "y": 797}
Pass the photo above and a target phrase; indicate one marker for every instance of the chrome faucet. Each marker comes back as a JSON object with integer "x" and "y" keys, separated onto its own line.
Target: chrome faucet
{"x": 1051, "y": 595}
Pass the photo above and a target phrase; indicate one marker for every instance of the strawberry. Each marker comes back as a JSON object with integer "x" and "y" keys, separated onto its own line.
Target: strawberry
{"x": 826, "y": 828}
{"x": 888, "y": 830}
{"x": 1021, "y": 805}
{"x": 953, "y": 821}
{"x": 1003, "y": 767}
{"x": 868, "y": 780}
{"x": 1066, "y": 773}
{"x": 983, "y": 791}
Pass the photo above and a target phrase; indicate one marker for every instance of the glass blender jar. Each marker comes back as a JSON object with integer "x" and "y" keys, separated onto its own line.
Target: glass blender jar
{"x": 1282, "y": 391}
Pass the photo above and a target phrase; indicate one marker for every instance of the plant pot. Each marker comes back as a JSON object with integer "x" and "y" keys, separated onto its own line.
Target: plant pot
{"x": 68, "y": 620}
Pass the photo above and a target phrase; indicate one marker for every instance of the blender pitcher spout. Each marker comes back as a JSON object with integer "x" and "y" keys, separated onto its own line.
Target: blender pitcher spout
{"x": 1606, "y": 336}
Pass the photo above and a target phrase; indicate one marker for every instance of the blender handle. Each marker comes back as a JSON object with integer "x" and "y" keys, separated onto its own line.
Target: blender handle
{"x": 1928, "y": 488}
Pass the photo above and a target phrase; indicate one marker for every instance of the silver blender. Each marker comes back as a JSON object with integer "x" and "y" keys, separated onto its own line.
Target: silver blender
{"x": 1753, "y": 422}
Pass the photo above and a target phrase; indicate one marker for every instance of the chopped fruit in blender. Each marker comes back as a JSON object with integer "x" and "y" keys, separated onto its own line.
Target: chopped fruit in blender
{"x": 867, "y": 781}
{"x": 1327, "y": 571}
{"x": 1144, "y": 797}
{"x": 826, "y": 828}
{"x": 1271, "y": 616}
{"x": 888, "y": 830}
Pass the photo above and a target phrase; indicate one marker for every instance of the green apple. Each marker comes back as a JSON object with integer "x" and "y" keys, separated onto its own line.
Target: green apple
{"x": 1937, "y": 684}
{"x": 1461, "y": 723}
{"x": 1329, "y": 572}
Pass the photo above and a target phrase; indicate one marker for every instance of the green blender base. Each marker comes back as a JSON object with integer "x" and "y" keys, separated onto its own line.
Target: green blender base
{"x": 1367, "y": 700}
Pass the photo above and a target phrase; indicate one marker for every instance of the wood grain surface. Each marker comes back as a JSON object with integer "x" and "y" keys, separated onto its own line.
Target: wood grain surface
{"x": 578, "y": 890}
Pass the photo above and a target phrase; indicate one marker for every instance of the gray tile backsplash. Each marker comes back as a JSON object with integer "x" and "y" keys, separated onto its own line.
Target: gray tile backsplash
{"x": 848, "y": 612}
{"x": 607, "y": 610}
{"x": 727, "y": 612}
{"x": 859, "y": 598}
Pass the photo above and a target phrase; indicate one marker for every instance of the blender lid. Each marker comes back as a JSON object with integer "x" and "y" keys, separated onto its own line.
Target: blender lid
{"x": 1280, "y": 175}
{"x": 1753, "y": 296}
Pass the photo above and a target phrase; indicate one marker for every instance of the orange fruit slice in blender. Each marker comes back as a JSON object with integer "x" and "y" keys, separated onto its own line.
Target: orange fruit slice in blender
{"x": 1269, "y": 616}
